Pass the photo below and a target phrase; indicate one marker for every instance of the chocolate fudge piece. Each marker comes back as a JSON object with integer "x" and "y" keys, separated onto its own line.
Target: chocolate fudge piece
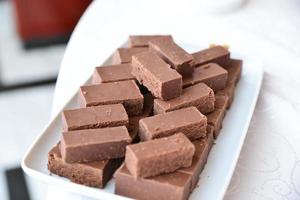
{"x": 123, "y": 55}
{"x": 234, "y": 71}
{"x": 93, "y": 174}
{"x": 151, "y": 71}
{"x": 175, "y": 186}
{"x": 189, "y": 121}
{"x": 221, "y": 101}
{"x": 173, "y": 54}
{"x": 125, "y": 92}
{"x": 147, "y": 111}
{"x": 200, "y": 95}
{"x": 216, "y": 54}
{"x": 228, "y": 91}
{"x": 94, "y": 117}
{"x": 143, "y": 40}
{"x": 211, "y": 74}
{"x": 203, "y": 147}
{"x": 134, "y": 120}
{"x": 159, "y": 156}
{"x": 234, "y": 74}
{"x": 94, "y": 144}
{"x": 215, "y": 119}
{"x": 112, "y": 73}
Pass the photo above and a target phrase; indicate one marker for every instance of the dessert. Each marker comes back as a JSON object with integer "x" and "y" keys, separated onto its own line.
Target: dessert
{"x": 189, "y": 121}
{"x": 153, "y": 157}
{"x": 216, "y": 54}
{"x": 158, "y": 109}
{"x": 200, "y": 95}
{"x": 94, "y": 144}
{"x": 123, "y": 55}
{"x": 234, "y": 74}
{"x": 124, "y": 92}
{"x": 202, "y": 149}
{"x": 151, "y": 71}
{"x": 173, "y": 54}
{"x": 93, "y": 174}
{"x": 112, "y": 73}
{"x": 143, "y": 40}
{"x": 212, "y": 74}
{"x": 94, "y": 117}
{"x": 175, "y": 186}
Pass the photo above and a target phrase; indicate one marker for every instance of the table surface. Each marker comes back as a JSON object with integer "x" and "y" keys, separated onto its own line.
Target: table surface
{"x": 269, "y": 164}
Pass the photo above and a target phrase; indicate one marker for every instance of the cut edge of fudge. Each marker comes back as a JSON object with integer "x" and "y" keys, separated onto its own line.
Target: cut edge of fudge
{"x": 99, "y": 172}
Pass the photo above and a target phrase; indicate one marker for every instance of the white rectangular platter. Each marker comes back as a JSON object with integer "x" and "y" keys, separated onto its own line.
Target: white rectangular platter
{"x": 222, "y": 160}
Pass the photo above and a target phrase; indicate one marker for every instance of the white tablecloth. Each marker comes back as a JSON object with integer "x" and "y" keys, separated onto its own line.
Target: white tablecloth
{"x": 269, "y": 165}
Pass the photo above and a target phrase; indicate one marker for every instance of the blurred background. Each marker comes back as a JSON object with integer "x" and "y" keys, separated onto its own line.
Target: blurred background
{"x": 33, "y": 38}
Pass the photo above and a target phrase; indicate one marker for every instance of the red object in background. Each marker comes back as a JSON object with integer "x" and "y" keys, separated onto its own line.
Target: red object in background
{"x": 39, "y": 19}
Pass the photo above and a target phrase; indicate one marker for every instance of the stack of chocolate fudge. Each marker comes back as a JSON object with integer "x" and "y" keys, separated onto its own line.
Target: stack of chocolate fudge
{"x": 150, "y": 119}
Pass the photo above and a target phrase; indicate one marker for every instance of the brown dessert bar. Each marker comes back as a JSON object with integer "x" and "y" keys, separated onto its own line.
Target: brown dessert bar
{"x": 234, "y": 70}
{"x": 151, "y": 71}
{"x": 124, "y": 55}
{"x": 93, "y": 174}
{"x": 200, "y": 95}
{"x": 173, "y": 54}
{"x": 94, "y": 117}
{"x": 216, "y": 117}
{"x": 228, "y": 91}
{"x": 147, "y": 111}
{"x": 125, "y": 92}
{"x": 175, "y": 186}
{"x": 216, "y": 54}
{"x": 159, "y": 156}
{"x": 134, "y": 120}
{"x": 234, "y": 74}
{"x": 112, "y": 73}
{"x": 94, "y": 144}
{"x": 189, "y": 121}
{"x": 211, "y": 74}
{"x": 203, "y": 147}
{"x": 143, "y": 40}
{"x": 221, "y": 101}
